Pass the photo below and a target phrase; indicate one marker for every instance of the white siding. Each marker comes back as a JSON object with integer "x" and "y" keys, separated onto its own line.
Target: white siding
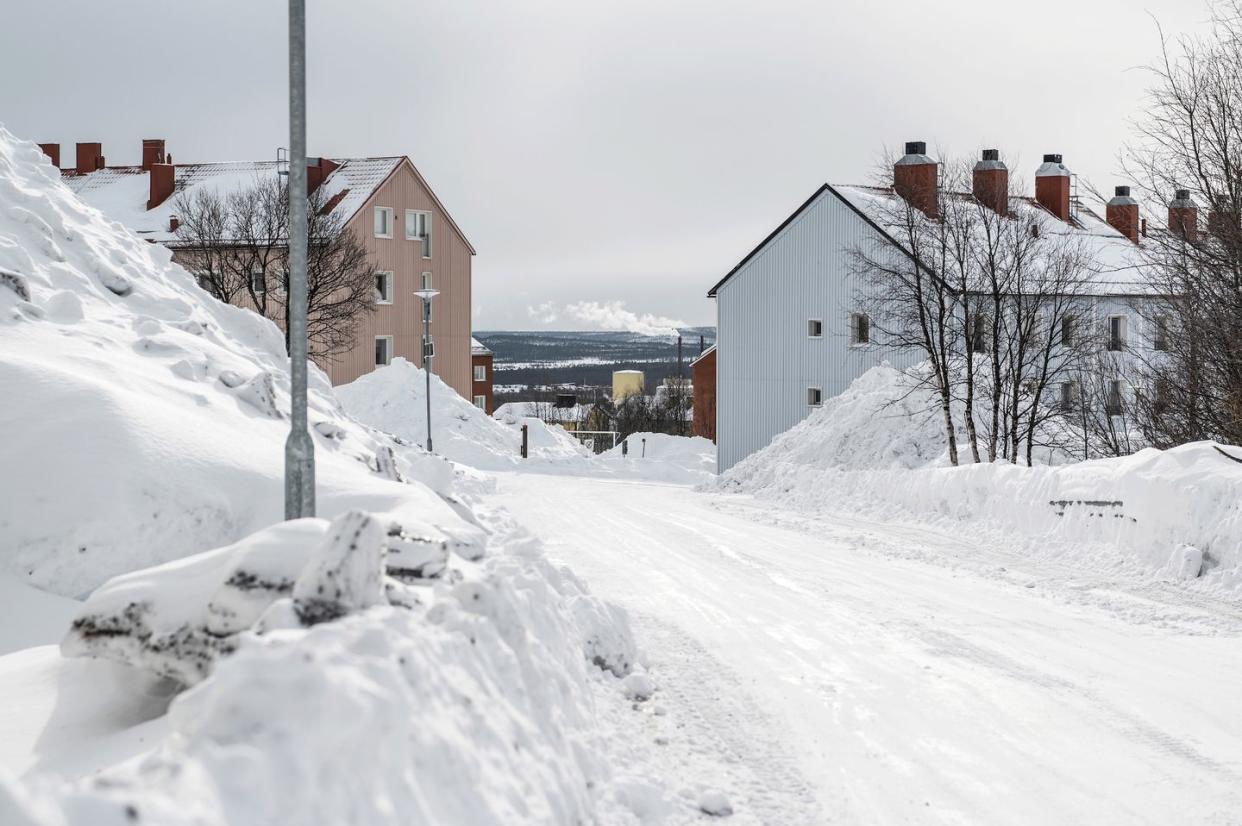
{"x": 766, "y": 361}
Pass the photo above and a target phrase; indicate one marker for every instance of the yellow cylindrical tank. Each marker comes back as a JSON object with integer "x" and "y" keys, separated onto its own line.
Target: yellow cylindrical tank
{"x": 626, "y": 383}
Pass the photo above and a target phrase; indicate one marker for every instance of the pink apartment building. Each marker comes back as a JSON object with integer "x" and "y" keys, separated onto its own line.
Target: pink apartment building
{"x": 412, "y": 240}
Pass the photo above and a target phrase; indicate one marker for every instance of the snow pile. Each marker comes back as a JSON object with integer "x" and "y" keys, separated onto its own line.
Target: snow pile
{"x": 393, "y": 399}
{"x": 145, "y": 420}
{"x": 664, "y": 457}
{"x": 1157, "y": 511}
{"x": 461, "y": 698}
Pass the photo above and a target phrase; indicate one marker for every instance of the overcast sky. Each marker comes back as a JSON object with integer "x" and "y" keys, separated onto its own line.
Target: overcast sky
{"x": 609, "y": 160}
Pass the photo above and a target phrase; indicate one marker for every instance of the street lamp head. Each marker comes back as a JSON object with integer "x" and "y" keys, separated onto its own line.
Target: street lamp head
{"x": 427, "y": 294}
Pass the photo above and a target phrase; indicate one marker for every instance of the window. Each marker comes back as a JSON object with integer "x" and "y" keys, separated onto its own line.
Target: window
{"x": 480, "y": 402}
{"x": 383, "y": 222}
{"x": 258, "y": 284}
{"x": 979, "y": 338}
{"x": 814, "y": 396}
{"x": 1069, "y": 396}
{"x": 1067, "y": 330}
{"x": 383, "y": 350}
{"x": 815, "y": 328}
{"x": 480, "y": 372}
{"x": 860, "y": 329}
{"x": 1112, "y": 399}
{"x": 425, "y": 281}
{"x": 383, "y": 288}
{"x": 418, "y": 228}
{"x": 1160, "y": 333}
{"x": 1160, "y": 396}
{"x": 1116, "y": 333}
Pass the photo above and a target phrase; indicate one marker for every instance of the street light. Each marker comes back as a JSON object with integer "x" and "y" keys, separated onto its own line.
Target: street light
{"x": 299, "y": 449}
{"x": 429, "y": 350}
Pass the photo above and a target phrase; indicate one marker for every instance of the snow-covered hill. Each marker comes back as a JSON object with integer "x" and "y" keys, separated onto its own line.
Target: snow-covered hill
{"x": 876, "y": 450}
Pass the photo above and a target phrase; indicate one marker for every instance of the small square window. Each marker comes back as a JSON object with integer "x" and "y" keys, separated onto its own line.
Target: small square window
{"x": 815, "y": 328}
{"x": 383, "y": 222}
{"x": 383, "y": 288}
{"x": 860, "y": 329}
{"x": 814, "y": 396}
{"x": 383, "y": 350}
{"x": 480, "y": 372}
{"x": 480, "y": 402}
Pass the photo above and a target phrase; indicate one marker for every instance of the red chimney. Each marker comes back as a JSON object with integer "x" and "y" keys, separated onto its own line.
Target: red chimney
{"x": 915, "y": 178}
{"x": 317, "y": 171}
{"x": 1122, "y": 213}
{"x": 1052, "y": 187}
{"x": 152, "y": 152}
{"x": 163, "y": 177}
{"x": 90, "y": 157}
{"x": 1183, "y": 215}
{"x": 991, "y": 182}
{"x": 52, "y": 150}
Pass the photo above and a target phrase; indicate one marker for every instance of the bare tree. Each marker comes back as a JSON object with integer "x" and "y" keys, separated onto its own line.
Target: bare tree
{"x": 238, "y": 243}
{"x": 1188, "y": 152}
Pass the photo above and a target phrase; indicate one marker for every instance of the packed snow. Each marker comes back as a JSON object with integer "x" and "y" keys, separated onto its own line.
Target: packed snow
{"x": 412, "y": 657}
{"x": 879, "y": 449}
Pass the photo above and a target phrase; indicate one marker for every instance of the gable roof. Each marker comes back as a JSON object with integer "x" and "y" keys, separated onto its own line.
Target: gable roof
{"x": 121, "y": 192}
{"x": 1121, "y": 261}
{"x": 704, "y": 355}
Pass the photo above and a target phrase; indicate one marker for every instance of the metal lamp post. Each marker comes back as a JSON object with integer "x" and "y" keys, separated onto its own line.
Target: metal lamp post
{"x": 299, "y": 449}
{"x": 426, "y": 294}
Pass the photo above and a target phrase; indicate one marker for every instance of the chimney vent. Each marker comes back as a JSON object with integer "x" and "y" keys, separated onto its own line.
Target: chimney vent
{"x": 991, "y": 182}
{"x": 1122, "y": 213}
{"x": 89, "y": 157}
{"x": 173, "y": 223}
{"x": 163, "y": 178}
{"x": 52, "y": 150}
{"x": 1184, "y": 215}
{"x": 916, "y": 178}
{"x": 1052, "y": 186}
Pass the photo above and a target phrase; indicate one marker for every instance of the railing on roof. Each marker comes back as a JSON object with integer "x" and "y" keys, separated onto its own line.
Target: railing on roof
{"x": 282, "y": 161}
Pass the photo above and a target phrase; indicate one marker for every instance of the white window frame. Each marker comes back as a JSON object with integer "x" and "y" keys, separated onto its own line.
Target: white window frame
{"x": 425, "y": 236}
{"x": 391, "y": 217}
{"x": 1120, "y": 409}
{"x": 480, "y": 402}
{"x": 424, "y": 280}
{"x": 258, "y": 282}
{"x": 1075, "y": 396}
{"x": 811, "y": 324}
{"x": 391, "y": 344}
{"x": 819, "y": 396}
{"x": 854, "y": 318}
{"x": 480, "y": 372}
{"x": 388, "y": 277}
{"x": 1123, "y": 338}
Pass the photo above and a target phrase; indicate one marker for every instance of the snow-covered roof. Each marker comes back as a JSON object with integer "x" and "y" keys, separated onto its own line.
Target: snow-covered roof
{"x": 546, "y": 411}
{"x": 704, "y": 355}
{"x": 478, "y": 348}
{"x": 1119, "y": 262}
{"x": 121, "y": 192}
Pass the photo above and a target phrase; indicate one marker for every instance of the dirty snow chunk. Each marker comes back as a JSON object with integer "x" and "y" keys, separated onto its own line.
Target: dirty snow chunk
{"x": 1186, "y": 562}
{"x": 609, "y": 644}
{"x": 386, "y": 463}
{"x": 16, "y": 283}
{"x": 415, "y": 557}
{"x": 638, "y": 687}
{"x": 715, "y": 804}
{"x": 346, "y": 573}
{"x": 260, "y": 393}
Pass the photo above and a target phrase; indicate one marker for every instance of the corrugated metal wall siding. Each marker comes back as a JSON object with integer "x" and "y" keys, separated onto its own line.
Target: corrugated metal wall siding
{"x": 765, "y": 360}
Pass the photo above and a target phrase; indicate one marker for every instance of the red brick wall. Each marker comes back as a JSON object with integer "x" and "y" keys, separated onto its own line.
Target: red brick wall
{"x": 704, "y": 379}
{"x": 482, "y": 388}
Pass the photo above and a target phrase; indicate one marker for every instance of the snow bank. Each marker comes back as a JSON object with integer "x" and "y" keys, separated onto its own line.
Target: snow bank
{"x": 864, "y": 454}
{"x": 393, "y": 399}
{"x": 661, "y": 456}
{"x": 145, "y": 420}
{"x": 467, "y": 701}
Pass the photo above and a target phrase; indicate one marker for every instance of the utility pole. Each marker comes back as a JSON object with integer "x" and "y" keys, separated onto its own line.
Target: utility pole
{"x": 299, "y": 449}
{"x": 426, "y": 294}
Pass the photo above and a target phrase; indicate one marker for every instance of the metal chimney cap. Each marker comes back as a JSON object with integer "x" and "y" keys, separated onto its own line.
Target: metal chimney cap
{"x": 991, "y": 154}
{"x": 916, "y": 147}
{"x": 1052, "y": 158}
{"x": 1181, "y": 194}
{"x": 1121, "y": 191}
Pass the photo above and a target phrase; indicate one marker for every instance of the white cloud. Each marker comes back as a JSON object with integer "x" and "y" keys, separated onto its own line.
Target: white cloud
{"x": 612, "y": 315}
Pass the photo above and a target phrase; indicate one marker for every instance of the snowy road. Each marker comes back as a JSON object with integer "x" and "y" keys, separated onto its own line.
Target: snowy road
{"x": 894, "y": 675}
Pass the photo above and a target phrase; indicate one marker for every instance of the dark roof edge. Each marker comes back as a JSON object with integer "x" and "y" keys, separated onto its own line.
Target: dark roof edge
{"x": 825, "y": 188}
